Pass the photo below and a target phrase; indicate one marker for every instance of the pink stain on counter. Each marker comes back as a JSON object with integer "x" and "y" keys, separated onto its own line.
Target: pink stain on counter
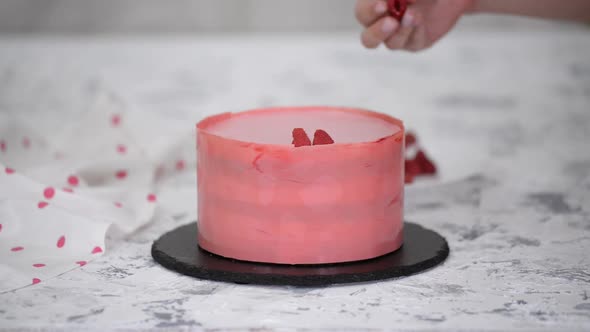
{"x": 262, "y": 199}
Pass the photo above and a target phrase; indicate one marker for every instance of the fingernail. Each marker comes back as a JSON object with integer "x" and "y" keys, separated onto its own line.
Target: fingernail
{"x": 388, "y": 25}
{"x": 380, "y": 8}
{"x": 408, "y": 20}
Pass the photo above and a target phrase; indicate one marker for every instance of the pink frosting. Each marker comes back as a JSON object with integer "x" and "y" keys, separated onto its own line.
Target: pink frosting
{"x": 261, "y": 199}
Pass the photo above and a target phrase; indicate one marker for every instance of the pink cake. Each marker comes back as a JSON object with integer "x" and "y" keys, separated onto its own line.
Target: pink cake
{"x": 261, "y": 199}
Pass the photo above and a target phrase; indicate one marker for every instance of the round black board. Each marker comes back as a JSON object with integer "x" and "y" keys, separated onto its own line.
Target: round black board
{"x": 178, "y": 250}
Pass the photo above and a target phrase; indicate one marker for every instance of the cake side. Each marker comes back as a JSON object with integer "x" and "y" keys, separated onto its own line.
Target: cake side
{"x": 308, "y": 205}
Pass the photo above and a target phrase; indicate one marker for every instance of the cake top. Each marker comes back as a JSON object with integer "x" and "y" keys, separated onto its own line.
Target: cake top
{"x": 275, "y": 126}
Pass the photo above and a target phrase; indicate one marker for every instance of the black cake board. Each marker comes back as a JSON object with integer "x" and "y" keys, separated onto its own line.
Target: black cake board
{"x": 178, "y": 250}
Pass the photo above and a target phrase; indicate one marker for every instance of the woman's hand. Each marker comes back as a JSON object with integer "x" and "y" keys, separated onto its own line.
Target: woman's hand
{"x": 425, "y": 22}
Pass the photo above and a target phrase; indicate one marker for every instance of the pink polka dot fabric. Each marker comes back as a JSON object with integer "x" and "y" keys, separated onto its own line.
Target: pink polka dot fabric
{"x": 62, "y": 190}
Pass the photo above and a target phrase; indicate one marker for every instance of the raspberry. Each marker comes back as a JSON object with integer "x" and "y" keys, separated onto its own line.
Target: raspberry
{"x": 409, "y": 178}
{"x": 425, "y": 164}
{"x": 300, "y": 138}
{"x": 410, "y": 139}
{"x": 322, "y": 138}
{"x": 397, "y": 8}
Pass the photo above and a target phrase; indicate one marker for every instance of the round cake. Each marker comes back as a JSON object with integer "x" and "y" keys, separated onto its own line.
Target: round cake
{"x": 300, "y": 185}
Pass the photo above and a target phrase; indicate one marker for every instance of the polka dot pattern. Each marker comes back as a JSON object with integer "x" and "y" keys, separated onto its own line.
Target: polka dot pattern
{"x": 121, "y": 149}
{"x": 151, "y": 198}
{"x": 73, "y": 180}
{"x": 61, "y": 241}
{"x": 49, "y": 192}
{"x": 82, "y": 187}
{"x": 180, "y": 165}
{"x": 115, "y": 120}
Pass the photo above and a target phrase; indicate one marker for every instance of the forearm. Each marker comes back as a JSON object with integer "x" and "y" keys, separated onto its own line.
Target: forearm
{"x": 578, "y": 10}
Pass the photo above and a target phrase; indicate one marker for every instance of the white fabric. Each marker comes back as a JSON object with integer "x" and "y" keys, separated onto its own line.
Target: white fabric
{"x": 63, "y": 185}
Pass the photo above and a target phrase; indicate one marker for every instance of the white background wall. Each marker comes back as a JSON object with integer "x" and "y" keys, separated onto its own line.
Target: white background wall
{"x": 132, "y": 16}
{"x": 191, "y": 16}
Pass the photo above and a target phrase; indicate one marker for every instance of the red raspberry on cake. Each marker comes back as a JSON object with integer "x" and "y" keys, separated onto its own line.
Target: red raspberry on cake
{"x": 300, "y": 138}
{"x": 321, "y": 137}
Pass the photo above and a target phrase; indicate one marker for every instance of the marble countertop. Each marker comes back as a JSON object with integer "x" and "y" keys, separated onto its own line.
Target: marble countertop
{"x": 505, "y": 115}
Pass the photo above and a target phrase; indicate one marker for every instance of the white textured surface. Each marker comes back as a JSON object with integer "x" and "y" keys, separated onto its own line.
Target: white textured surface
{"x": 507, "y": 117}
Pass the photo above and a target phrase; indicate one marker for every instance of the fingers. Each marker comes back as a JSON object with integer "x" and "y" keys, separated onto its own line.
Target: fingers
{"x": 369, "y": 11}
{"x": 411, "y": 34}
{"x": 418, "y": 40}
{"x": 377, "y": 33}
